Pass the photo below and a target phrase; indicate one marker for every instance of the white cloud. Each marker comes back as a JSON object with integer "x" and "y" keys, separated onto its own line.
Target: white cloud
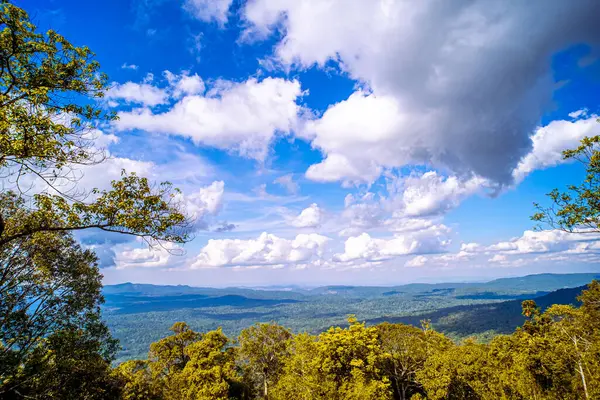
{"x": 287, "y": 182}
{"x": 196, "y": 45}
{"x": 137, "y": 93}
{"x": 436, "y": 96}
{"x": 184, "y": 84}
{"x": 361, "y": 213}
{"x": 535, "y": 243}
{"x": 209, "y": 10}
{"x": 204, "y": 203}
{"x": 498, "y": 258}
{"x": 531, "y": 248}
{"x": 337, "y": 167}
{"x": 157, "y": 257}
{"x": 432, "y": 193}
{"x": 364, "y": 247}
{"x": 415, "y": 262}
{"x": 129, "y": 66}
{"x": 551, "y": 140}
{"x": 240, "y": 117}
{"x": 310, "y": 217}
{"x": 266, "y": 250}
{"x": 549, "y": 241}
{"x": 408, "y": 203}
{"x": 578, "y": 113}
{"x": 178, "y": 85}
{"x": 471, "y": 247}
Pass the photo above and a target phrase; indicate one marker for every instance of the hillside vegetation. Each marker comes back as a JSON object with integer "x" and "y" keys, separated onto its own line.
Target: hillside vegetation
{"x": 141, "y": 314}
{"x": 553, "y": 355}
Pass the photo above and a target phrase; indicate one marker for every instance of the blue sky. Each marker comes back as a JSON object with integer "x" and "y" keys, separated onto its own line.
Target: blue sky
{"x": 343, "y": 141}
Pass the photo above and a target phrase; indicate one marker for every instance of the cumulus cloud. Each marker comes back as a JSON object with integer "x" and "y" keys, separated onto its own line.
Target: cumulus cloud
{"x": 408, "y": 203}
{"x": 536, "y": 247}
{"x": 431, "y": 193}
{"x": 240, "y": 117}
{"x": 266, "y": 250}
{"x": 498, "y": 258}
{"x": 204, "y": 203}
{"x": 549, "y": 241}
{"x": 137, "y": 93}
{"x": 157, "y": 257}
{"x": 184, "y": 84}
{"x": 464, "y": 96}
{"x": 551, "y": 140}
{"x": 147, "y": 94}
{"x": 531, "y": 248}
{"x": 364, "y": 247}
{"x": 416, "y": 262}
{"x": 310, "y": 217}
{"x": 209, "y": 10}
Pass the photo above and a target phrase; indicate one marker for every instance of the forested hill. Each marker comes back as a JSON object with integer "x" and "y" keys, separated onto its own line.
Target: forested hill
{"x": 139, "y": 314}
{"x": 524, "y": 284}
{"x": 493, "y": 318}
{"x": 552, "y": 355}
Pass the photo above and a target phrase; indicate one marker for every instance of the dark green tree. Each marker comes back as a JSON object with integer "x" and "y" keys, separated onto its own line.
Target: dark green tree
{"x": 50, "y": 292}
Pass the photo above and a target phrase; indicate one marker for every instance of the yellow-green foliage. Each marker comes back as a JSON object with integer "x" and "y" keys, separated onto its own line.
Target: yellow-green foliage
{"x": 49, "y": 111}
{"x": 261, "y": 354}
{"x": 555, "y": 355}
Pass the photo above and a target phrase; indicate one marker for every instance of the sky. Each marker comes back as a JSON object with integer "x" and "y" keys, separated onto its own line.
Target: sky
{"x": 362, "y": 142}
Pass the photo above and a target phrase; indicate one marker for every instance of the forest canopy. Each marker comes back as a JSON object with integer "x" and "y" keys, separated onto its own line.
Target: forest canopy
{"x": 554, "y": 355}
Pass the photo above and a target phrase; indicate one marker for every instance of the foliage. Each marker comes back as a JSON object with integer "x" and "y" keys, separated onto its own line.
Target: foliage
{"x": 554, "y": 355}
{"x": 49, "y": 305}
{"x": 578, "y": 209}
{"x": 141, "y": 314}
{"x": 210, "y": 367}
{"x": 49, "y": 110}
{"x": 53, "y": 343}
{"x": 42, "y": 75}
{"x": 136, "y": 381}
{"x": 262, "y": 350}
{"x": 68, "y": 364}
{"x": 407, "y": 348}
{"x": 338, "y": 364}
{"x": 185, "y": 365}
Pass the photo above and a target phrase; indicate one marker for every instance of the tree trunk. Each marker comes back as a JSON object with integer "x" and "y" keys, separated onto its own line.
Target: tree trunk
{"x": 583, "y": 380}
{"x": 266, "y": 389}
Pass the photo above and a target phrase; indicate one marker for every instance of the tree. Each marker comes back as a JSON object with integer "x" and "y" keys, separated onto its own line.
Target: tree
{"x": 301, "y": 378}
{"x": 69, "y": 364}
{"x": 577, "y": 337}
{"x": 135, "y": 379}
{"x": 405, "y": 350}
{"x": 49, "y": 286}
{"x": 186, "y": 365}
{"x": 262, "y": 349}
{"x": 341, "y": 364}
{"x": 42, "y": 127}
{"x": 209, "y": 371}
{"x": 578, "y": 209}
{"x": 49, "y": 110}
{"x": 50, "y": 290}
{"x": 168, "y": 356}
